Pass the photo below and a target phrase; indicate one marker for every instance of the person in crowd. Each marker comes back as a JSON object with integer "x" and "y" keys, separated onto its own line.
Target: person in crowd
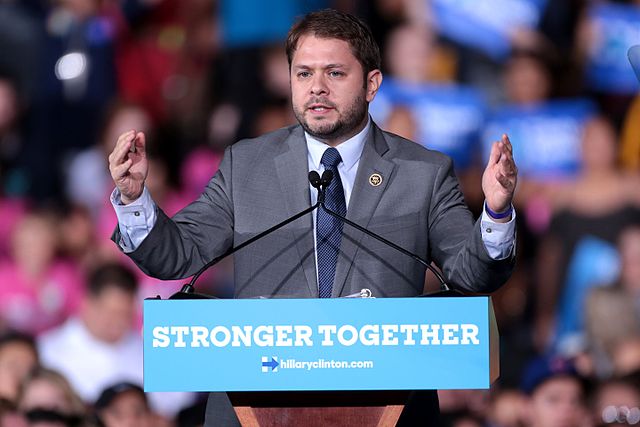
{"x": 606, "y": 306}
{"x": 76, "y": 81}
{"x": 47, "y": 400}
{"x": 626, "y": 356}
{"x": 402, "y": 122}
{"x": 590, "y": 213}
{"x": 616, "y": 302}
{"x": 527, "y": 78}
{"x": 528, "y": 84}
{"x": 13, "y": 203}
{"x": 9, "y": 415}
{"x": 86, "y": 179}
{"x": 125, "y": 405}
{"x": 507, "y": 408}
{"x": 18, "y": 357}
{"x": 105, "y": 346}
{"x": 616, "y": 402}
{"x": 421, "y": 82}
{"x": 414, "y": 55}
{"x": 38, "y": 289}
{"x": 78, "y": 238}
{"x": 556, "y": 394}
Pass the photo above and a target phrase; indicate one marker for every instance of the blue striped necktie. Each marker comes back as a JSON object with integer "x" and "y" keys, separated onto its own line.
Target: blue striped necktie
{"x": 328, "y": 228}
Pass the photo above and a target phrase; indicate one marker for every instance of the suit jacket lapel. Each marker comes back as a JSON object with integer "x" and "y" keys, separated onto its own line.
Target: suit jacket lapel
{"x": 292, "y": 170}
{"x": 363, "y": 202}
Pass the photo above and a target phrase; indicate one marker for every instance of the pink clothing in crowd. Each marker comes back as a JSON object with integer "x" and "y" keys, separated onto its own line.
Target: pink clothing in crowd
{"x": 35, "y": 305}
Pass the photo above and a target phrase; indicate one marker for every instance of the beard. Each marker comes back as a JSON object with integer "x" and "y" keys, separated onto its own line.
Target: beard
{"x": 346, "y": 124}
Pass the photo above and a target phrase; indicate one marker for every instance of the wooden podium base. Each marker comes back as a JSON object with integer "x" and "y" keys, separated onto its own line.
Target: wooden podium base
{"x": 386, "y": 416}
{"x": 311, "y": 409}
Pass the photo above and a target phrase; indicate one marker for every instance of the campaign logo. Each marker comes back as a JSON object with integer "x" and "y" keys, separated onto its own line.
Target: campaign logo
{"x": 270, "y": 362}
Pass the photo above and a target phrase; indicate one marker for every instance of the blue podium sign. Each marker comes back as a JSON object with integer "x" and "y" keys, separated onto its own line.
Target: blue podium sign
{"x": 319, "y": 344}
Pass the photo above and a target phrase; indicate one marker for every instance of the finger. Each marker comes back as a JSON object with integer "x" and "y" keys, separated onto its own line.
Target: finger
{"x": 494, "y": 157}
{"x": 506, "y": 157}
{"x": 508, "y": 163}
{"x": 119, "y": 171}
{"x": 123, "y": 138}
{"x": 507, "y": 142}
{"x": 140, "y": 143}
{"x": 118, "y": 154}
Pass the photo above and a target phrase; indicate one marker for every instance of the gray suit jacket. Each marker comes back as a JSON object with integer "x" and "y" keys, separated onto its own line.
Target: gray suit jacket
{"x": 263, "y": 181}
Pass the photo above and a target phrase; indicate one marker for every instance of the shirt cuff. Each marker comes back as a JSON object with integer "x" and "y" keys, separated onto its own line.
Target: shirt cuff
{"x": 498, "y": 237}
{"x": 135, "y": 220}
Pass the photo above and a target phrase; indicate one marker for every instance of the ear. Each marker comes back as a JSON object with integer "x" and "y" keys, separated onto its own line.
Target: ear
{"x": 374, "y": 80}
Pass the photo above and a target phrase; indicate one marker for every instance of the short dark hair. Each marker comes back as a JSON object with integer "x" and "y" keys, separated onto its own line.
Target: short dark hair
{"x": 111, "y": 275}
{"x": 109, "y": 394}
{"x": 331, "y": 24}
{"x": 12, "y": 337}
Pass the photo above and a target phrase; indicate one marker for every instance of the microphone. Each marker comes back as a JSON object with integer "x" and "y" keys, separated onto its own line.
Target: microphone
{"x": 314, "y": 179}
{"x": 188, "y": 290}
{"x": 327, "y": 176}
{"x": 320, "y": 184}
{"x": 634, "y": 58}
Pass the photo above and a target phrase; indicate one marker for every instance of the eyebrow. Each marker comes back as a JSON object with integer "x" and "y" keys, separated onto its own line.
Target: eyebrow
{"x": 302, "y": 66}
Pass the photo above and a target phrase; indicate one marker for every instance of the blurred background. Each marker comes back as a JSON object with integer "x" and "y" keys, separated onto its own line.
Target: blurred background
{"x": 197, "y": 75}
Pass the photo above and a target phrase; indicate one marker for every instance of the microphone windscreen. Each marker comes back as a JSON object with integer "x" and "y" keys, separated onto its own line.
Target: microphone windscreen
{"x": 634, "y": 58}
{"x": 327, "y": 177}
{"x": 314, "y": 179}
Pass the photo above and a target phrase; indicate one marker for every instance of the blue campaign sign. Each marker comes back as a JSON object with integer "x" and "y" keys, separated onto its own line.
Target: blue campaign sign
{"x": 449, "y": 117}
{"x": 486, "y": 25}
{"x": 319, "y": 344}
{"x": 546, "y": 138}
{"x": 614, "y": 29}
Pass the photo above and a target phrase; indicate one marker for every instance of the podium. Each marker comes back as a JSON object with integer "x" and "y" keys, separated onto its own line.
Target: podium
{"x": 307, "y": 361}
{"x": 320, "y": 408}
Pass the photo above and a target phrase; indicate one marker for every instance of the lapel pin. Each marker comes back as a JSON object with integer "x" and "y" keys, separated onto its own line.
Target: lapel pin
{"x": 375, "y": 179}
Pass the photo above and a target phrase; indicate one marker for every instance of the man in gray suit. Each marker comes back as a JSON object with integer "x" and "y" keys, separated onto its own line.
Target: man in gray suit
{"x": 390, "y": 185}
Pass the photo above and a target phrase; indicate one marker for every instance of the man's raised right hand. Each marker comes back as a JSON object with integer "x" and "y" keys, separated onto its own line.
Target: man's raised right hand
{"x": 129, "y": 168}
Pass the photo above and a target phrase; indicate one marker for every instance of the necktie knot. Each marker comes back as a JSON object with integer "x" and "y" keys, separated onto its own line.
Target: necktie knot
{"x": 331, "y": 158}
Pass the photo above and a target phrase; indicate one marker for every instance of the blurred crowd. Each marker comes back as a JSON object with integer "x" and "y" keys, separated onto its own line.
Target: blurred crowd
{"x": 197, "y": 75}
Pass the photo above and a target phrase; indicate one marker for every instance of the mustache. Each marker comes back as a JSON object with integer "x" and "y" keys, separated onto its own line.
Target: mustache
{"x": 321, "y": 101}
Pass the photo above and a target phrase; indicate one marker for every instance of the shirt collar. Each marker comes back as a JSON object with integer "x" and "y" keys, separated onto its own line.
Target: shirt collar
{"x": 350, "y": 150}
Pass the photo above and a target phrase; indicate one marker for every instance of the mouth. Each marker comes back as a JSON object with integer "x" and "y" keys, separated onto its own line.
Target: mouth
{"x": 319, "y": 107}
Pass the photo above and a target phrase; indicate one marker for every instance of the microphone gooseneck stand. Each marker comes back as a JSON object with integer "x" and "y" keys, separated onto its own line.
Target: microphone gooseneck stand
{"x": 327, "y": 177}
{"x": 188, "y": 290}
{"x": 320, "y": 183}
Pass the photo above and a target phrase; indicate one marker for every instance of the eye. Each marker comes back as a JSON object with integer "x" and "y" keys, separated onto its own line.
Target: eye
{"x": 335, "y": 73}
{"x": 303, "y": 74}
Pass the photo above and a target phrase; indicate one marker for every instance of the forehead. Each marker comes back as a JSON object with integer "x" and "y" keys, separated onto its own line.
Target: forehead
{"x": 563, "y": 384}
{"x": 128, "y": 397}
{"x": 16, "y": 348}
{"x": 311, "y": 49}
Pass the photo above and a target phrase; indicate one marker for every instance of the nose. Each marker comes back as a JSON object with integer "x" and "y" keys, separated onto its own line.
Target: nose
{"x": 319, "y": 85}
